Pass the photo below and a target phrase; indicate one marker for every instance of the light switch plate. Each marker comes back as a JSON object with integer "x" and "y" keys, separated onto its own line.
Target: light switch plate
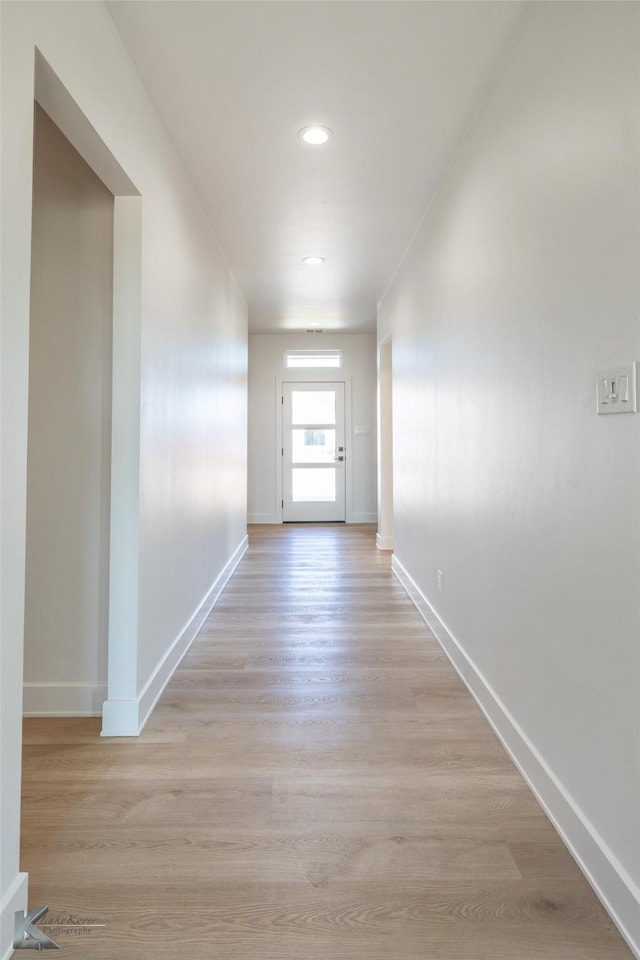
{"x": 361, "y": 430}
{"x": 616, "y": 389}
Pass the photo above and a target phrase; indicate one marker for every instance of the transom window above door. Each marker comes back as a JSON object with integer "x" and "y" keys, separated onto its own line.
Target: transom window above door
{"x": 313, "y": 359}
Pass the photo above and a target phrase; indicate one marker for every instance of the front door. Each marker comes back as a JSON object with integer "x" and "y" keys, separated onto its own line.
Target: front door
{"x": 313, "y": 452}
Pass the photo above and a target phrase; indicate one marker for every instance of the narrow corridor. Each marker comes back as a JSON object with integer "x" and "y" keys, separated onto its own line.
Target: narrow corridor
{"x": 316, "y": 783}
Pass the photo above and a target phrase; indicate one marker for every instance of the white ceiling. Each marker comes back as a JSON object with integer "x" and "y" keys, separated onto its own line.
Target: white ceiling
{"x": 233, "y": 82}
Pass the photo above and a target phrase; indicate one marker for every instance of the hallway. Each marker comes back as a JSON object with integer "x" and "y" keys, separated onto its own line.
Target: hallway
{"x": 315, "y": 783}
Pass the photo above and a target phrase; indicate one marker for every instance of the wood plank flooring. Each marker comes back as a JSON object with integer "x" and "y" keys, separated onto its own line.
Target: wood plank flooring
{"x": 315, "y": 783}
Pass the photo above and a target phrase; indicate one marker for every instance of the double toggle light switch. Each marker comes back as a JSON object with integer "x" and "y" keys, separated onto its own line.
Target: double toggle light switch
{"x": 616, "y": 390}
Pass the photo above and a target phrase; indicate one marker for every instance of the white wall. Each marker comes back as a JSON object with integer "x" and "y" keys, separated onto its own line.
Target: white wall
{"x": 266, "y": 373}
{"x": 192, "y": 490}
{"x": 521, "y": 282}
{"x": 69, "y": 435}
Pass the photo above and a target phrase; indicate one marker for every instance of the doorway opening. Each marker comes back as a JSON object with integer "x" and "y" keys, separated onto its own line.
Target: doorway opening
{"x": 86, "y": 449}
{"x": 384, "y": 539}
{"x": 69, "y": 432}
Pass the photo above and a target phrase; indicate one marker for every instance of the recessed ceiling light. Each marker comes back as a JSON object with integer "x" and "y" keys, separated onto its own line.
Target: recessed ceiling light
{"x": 315, "y": 135}
{"x": 313, "y": 261}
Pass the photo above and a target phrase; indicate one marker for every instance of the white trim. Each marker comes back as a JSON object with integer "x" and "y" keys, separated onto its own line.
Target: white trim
{"x": 306, "y": 378}
{"x": 384, "y": 437}
{"x": 612, "y": 884}
{"x": 57, "y": 102}
{"x": 64, "y": 699}
{"x": 324, "y": 509}
{"x": 349, "y": 448}
{"x": 264, "y": 518}
{"x": 279, "y": 402}
{"x": 364, "y": 518}
{"x": 120, "y": 718}
{"x": 127, "y": 718}
{"x": 16, "y": 898}
{"x": 122, "y": 658}
{"x": 384, "y": 543}
{"x": 122, "y": 641}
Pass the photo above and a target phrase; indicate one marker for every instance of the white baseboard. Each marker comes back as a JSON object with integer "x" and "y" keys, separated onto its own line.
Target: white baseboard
{"x": 121, "y": 718}
{"x": 16, "y": 898}
{"x": 384, "y": 543}
{"x": 127, "y": 718}
{"x": 612, "y": 884}
{"x": 274, "y": 518}
{"x": 151, "y": 692}
{"x": 63, "y": 699}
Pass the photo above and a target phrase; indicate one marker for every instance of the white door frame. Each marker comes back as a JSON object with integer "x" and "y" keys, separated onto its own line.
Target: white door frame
{"x": 315, "y": 376}
{"x": 384, "y": 537}
{"x": 334, "y": 510}
{"x": 120, "y": 709}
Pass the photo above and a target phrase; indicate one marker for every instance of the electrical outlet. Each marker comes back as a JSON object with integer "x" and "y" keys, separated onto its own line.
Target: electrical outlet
{"x": 440, "y": 581}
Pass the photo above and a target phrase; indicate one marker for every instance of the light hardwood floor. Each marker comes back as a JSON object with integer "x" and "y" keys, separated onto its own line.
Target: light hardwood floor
{"x": 315, "y": 783}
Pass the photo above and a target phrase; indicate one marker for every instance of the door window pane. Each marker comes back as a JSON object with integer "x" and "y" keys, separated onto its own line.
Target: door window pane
{"x": 313, "y": 446}
{"x": 313, "y": 406}
{"x": 309, "y": 484}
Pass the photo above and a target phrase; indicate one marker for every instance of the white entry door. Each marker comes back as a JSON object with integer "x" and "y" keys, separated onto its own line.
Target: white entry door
{"x": 313, "y": 452}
